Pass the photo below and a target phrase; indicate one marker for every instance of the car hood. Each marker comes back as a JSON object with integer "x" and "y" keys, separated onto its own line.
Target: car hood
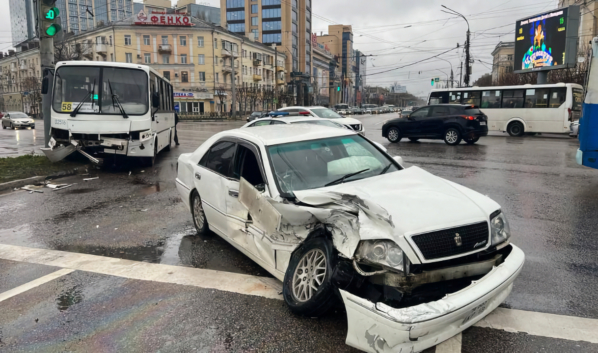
{"x": 21, "y": 120}
{"x": 346, "y": 121}
{"x": 413, "y": 200}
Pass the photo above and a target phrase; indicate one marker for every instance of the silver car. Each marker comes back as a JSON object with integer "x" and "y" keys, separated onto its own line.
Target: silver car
{"x": 16, "y": 120}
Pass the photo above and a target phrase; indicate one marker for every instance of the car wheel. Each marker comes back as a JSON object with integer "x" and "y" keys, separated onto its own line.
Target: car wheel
{"x": 4, "y": 126}
{"x": 472, "y": 141}
{"x": 515, "y": 129}
{"x": 199, "y": 217}
{"x": 33, "y": 127}
{"x": 452, "y": 136}
{"x": 12, "y": 126}
{"x": 414, "y": 139}
{"x": 394, "y": 135}
{"x": 307, "y": 288}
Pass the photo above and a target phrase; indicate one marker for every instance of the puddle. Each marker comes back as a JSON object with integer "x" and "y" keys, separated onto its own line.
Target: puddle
{"x": 69, "y": 298}
{"x": 19, "y": 235}
{"x": 150, "y": 189}
{"x": 149, "y": 253}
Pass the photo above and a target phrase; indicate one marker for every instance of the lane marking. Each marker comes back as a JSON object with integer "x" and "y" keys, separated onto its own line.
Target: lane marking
{"x": 511, "y": 320}
{"x": 35, "y": 283}
{"x": 542, "y": 324}
{"x": 225, "y": 281}
{"x": 452, "y": 345}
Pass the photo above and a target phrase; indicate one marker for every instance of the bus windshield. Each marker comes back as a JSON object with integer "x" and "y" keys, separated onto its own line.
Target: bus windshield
{"x": 81, "y": 84}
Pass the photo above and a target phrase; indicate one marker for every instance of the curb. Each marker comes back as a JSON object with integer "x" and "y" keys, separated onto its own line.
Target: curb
{"x": 36, "y": 179}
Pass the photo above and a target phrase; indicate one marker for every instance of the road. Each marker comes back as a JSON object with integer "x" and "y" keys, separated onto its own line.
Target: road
{"x": 22, "y": 141}
{"x": 153, "y": 302}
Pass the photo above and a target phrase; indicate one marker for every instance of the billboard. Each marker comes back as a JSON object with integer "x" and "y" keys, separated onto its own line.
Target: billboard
{"x": 547, "y": 41}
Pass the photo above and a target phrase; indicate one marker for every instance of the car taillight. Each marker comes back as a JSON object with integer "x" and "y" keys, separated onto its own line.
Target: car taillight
{"x": 468, "y": 117}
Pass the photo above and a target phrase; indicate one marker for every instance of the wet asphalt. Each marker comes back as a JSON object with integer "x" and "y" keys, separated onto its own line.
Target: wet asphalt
{"x": 134, "y": 212}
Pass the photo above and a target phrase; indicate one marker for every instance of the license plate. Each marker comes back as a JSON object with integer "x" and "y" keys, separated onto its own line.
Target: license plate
{"x": 482, "y": 123}
{"x": 475, "y": 312}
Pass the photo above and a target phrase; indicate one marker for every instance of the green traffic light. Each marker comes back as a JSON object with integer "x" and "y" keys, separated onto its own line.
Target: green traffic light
{"x": 52, "y": 13}
{"x": 53, "y": 29}
{"x": 338, "y": 89}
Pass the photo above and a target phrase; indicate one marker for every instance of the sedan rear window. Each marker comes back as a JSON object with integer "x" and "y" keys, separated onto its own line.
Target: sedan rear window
{"x": 473, "y": 111}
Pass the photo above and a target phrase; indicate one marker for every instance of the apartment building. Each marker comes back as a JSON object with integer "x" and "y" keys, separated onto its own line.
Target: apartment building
{"x": 20, "y": 79}
{"x": 502, "y": 59}
{"x": 286, "y": 24}
{"x": 322, "y": 61}
{"x": 201, "y": 11}
{"x": 340, "y": 41}
{"x": 196, "y": 56}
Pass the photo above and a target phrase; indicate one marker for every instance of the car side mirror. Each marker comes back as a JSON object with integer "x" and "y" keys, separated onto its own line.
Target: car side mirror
{"x": 155, "y": 100}
{"x": 45, "y": 85}
{"x": 398, "y": 159}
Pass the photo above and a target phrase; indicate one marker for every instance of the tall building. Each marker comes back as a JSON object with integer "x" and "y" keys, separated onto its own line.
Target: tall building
{"x": 284, "y": 23}
{"x": 22, "y": 20}
{"x": 502, "y": 61}
{"x": 340, "y": 41}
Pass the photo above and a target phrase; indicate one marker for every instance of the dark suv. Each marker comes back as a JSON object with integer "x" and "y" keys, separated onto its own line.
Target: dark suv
{"x": 450, "y": 122}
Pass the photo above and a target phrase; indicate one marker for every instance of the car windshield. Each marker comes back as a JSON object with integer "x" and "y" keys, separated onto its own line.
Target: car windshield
{"x": 473, "y": 111}
{"x": 325, "y": 113}
{"x": 18, "y": 115}
{"x": 313, "y": 164}
{"x": 318, "y": 122}
{"x": 76, "y": 84}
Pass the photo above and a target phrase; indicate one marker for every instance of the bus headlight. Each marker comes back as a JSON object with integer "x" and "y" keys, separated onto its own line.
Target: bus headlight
{"x": 500, "y": 229}
{"x": 382, "y": 252}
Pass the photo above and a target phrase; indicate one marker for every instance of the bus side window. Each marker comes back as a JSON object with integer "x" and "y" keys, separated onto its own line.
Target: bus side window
{"x": 471, "y": 97}
{"x": 171, "y": 98}
{"x": 557, "y": 96}
{"x": 512, "y": 98}
{"x": 162, "y": 95}
{"x": 491, "y": 99}
{"x": 455, "y": 97}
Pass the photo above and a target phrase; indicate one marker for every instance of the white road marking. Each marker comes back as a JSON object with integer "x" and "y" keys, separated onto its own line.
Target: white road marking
{"x": 35, "y": 283}
{"x": 452, "y": 345}
{"x": 534, "y": 323}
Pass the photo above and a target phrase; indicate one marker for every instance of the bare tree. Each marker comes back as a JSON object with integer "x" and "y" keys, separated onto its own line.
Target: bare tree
{"x": 484, "y": 80}
{"x": 32, "y": 86}
{"x": 221, "y": 93}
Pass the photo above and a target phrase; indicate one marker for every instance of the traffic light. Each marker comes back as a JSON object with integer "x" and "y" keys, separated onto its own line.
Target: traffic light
{"x": 432, "y": 82}
{"x": 338, "y": 88}
{"x": 50, "y": 24}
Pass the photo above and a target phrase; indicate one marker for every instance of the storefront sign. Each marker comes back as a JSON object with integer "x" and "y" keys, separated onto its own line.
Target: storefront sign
{"x": 162, "y": 19}
{"x": 314, "y": 41}
{"x": 193, "y": 95}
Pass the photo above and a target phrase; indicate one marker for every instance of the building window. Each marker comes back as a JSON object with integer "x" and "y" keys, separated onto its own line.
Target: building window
{"x": 111, "y": 57}
{"x": 510, "y": 57}
{"x": 200, "y": 42}
{"x": 236, "y": 27}
{"x": 294, "y": 28}
{"x": 216, "y": 60}
{"x": 231, "y": 4}
{"x": 147, "y": 58}
{"x": 127, "y": 39}
{"x": 294, "y": 14}
{"x": 271, "y": 2}
{"x": 272, "y": 25}
{"x": 216, "y": 77}
{"x": 202, "y": 76}
{"x": 215, "y": 43}
{"x": 270, "y": 13}
{"x": 183, "y": 58}
{"x": 235, "y": 15}
{"x": 255, "y": 33}
{"x": 146, "y": 40}
{"x": 110, "y": 40}
{"x": 129, "y": 57}
{"x": 201, "y": 59}
{"x": 164, "y": 39}
{"x": 165, "y": 59}
{"x": 253, "y": 8}
{"x": 184, "y": 76}
{"x": 272, "y": 38}
{"x": 166, "y": 75}
{"x": 183, "y": 41}
{"x": 254, "y": 21}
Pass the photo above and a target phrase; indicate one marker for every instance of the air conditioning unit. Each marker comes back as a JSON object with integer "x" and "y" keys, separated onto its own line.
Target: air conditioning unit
{"x": 138, "y": 56}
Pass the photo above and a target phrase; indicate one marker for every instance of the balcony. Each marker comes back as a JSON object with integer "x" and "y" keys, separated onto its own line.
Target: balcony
{"x": 13, "y": 68}
{"x": 279, "y": 68}
{"x": 101, "y": 48}
{"x": 23, "y": 66}
{"x": 257, "y": 62}
{"x": 164, "y": 48}
{"x": 226, "y": 53}
{"x": 227, "y": 69}
{"x": 280, "y": 81}
{"x": 257, "y": 77}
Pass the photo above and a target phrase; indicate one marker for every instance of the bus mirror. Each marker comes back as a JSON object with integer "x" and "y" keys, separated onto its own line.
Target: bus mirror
{"x": 45, "y": 83}
{"x": 155, "y": 100}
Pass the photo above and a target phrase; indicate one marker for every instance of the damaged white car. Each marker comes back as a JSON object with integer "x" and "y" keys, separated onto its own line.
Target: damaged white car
{"x": 415, "y": 258}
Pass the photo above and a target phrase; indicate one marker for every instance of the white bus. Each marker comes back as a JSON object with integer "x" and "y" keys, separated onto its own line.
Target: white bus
{"x": 547, "y": 108}
{"x": 108, "y": 108}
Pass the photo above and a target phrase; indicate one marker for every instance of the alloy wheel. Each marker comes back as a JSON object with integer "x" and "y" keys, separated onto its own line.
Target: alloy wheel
{"x": 393, "y": 134}
{"x": 309, "y": 275}
{"x": 451, "y": 136}
{"x": 198, "y": 214}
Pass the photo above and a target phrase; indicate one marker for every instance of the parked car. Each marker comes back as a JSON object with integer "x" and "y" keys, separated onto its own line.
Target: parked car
{"x": 16, "y": 120}
{"x": 323, "y": 112}
{"x": 256, "y": 115}
{"x": 449, "y": 122}
{"x": 358, "y": 110}
{"x": 327, "y": 212}
{"x": 295, "y": 120}
{"x": 405, "y": 112}
{"x": 574, "y": 129}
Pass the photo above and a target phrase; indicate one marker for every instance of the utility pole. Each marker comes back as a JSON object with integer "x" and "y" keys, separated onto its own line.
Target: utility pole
{"x": 461, "y": 74}
{"x": 467, "y": 56}
{"x": 48, "y": 25}
{"x": 452, "y": 78}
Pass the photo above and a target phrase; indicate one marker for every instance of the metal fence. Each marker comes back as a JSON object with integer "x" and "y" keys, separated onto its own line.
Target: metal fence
{"x": 211, "y": 116}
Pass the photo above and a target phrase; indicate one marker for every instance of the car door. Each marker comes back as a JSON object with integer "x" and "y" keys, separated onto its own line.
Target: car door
{"x": 210, "y": 177}
{"x": 247, "y": 165}
{"x": 413, "y": 126}
{"x": 433, "y": 125}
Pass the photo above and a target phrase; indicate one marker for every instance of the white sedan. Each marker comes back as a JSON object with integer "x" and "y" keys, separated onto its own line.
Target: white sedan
{"x": 295, "y": 120}
{"x": 325, "y": 113}
{"x": 415, "y": 258}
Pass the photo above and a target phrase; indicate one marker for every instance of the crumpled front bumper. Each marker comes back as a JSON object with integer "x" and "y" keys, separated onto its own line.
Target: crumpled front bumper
{"x": 380, "y": 328}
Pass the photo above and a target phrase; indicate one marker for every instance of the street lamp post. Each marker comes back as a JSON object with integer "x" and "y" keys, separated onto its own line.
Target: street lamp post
{"x": 447, "y": 77}
{"x": 467, "y": 58}
{"x": 451, "y": 69}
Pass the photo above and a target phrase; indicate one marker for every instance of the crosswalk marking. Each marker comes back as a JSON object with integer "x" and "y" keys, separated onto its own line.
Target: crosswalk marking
{"x": 534, "y": 323}
{"x": 35, "y": 283}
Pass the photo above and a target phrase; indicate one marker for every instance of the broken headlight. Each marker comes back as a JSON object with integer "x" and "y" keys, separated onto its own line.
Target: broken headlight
{"x": 500, "y": 229}
{"x": 382, "y": 252}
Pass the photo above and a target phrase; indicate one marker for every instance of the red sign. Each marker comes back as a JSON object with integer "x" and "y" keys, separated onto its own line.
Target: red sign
{"x": 163, "y": 19}
{"x": 314, "y": 38}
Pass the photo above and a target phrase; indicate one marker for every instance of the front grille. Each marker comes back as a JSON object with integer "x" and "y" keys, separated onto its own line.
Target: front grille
{"x": 445, "y": 243}
{"x": 356, "y": 127}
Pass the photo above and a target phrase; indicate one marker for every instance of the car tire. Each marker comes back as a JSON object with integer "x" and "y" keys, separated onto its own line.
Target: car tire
{"x": 414, "y": 139}
{"x": 393, "y": 135}
{"x": 4, "y": 126}
{"x": 452, "y": 136}
{"x": 33, "y": 127}
{"x": 12, "y": 127}
{"x": 318, "y": 257}
{"x": 516, "y": 129}
{"x": 199, "y": 217}
{"x": 472, "y": 141}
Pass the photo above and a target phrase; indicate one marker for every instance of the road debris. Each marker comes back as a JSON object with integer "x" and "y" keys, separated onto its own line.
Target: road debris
{"x": 33, "y": 188}
{"x": 88, "y": 179}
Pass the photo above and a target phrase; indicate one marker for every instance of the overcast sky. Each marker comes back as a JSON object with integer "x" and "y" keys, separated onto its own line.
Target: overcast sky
{"x": 402, "y": 32}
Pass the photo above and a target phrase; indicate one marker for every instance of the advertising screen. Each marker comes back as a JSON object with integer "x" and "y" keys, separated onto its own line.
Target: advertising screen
{"x": 541, "y": 41}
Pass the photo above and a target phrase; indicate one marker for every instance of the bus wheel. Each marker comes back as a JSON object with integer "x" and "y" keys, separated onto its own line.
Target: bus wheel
{"x": 515, "y": 129}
